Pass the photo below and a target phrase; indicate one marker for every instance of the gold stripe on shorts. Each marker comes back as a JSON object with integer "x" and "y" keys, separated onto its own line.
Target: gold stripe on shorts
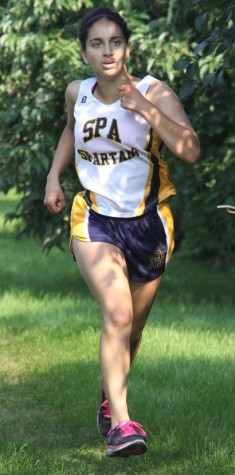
{"x": 79, "y": 218}
{"x": 168, "y": 223}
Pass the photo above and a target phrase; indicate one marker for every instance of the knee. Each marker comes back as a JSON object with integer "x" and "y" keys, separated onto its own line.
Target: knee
{"x": 117, "y": 319}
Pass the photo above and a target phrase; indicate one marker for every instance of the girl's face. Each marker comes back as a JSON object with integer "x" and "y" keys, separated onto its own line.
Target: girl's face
{"x": 106, "y": 49}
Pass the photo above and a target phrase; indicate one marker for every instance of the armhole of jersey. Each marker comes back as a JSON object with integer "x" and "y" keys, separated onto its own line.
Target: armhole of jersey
{"x": 144, "y": 84}
{"x": 85, "y": 88}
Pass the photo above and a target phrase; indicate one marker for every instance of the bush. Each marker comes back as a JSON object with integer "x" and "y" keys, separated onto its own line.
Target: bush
{"x": 189, "y": 45}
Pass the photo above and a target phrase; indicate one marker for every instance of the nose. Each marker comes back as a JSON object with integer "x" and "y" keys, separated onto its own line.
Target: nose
{"x": 107, "y": 49}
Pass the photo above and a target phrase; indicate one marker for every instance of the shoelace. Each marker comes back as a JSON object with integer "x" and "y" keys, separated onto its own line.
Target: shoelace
{"x": 105, "y": 409}
{"x": 131, "y": 428}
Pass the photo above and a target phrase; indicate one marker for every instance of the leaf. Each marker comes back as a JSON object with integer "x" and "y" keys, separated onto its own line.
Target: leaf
{"x": 215, "y": 34}
{"x": 208, "y": 79}
{"x": 220, "y": 78}
{"x": 193, "y": 70}
{"x": 229, "y": 13}
{"x": 200, "y": 21}
{"x": 182, "y": 64}
{"x": 201, "y": 46}
{"x": 186, "y": 90}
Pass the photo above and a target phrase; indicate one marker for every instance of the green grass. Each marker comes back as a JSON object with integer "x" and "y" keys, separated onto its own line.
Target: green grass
{"x": 181, "y": 385}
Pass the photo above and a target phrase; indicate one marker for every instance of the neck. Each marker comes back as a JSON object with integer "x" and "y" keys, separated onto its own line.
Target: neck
{"x": 107, "y": 90}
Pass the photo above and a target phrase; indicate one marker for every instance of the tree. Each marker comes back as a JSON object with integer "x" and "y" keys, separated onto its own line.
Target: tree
{"x": 208, "y": 91}
{"x": 39, "y": 57}
{"x": 188, "y": 44}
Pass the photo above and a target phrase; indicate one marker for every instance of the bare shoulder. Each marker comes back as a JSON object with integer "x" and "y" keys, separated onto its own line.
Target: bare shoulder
{"x": 72, "y": 90}
{"x": 71, "y": 94}
{"x": 160, "y": 90}
{"x": 166, "y": 100}
{"x": 162, "y": 95}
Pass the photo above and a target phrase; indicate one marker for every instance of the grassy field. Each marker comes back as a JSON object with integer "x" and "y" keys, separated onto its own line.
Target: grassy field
{"x": 181, "y": 387}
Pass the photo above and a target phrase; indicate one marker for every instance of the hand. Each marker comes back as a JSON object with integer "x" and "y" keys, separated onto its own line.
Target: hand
{"x": 132, "y": 99}
{"x": 54, "y": 197}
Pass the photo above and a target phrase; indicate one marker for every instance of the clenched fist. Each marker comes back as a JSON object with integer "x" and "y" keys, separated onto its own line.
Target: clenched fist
{"x": 54, "y": 197}
{"x": 132, "y": 99}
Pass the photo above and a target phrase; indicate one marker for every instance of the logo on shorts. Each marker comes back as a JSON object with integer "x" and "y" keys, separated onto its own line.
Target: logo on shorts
{"x": 157, "y": 259}
{"x": 84, "y": 98}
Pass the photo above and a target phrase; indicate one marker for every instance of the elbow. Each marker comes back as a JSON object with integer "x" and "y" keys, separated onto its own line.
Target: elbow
{"x": 193, "y": 151}
{"x": 188, "y": 148}
{"x": 70, "y": 127}
{"x": 191, "y": 155}
{"x": 194, "y": 155}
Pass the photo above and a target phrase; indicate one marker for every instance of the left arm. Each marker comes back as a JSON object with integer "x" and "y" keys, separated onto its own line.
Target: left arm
{"x": 163, "y": 111}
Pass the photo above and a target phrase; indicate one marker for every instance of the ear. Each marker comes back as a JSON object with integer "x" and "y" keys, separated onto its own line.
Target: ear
{"x": 83, "y": 55}
{"x": 128, "y": 50}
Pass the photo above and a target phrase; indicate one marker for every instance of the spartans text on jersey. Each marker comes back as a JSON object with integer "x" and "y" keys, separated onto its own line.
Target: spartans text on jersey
{"x": 109, "y": 158}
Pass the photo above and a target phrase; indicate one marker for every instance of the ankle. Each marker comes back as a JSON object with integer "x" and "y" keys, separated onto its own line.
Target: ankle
{"x": 116, "y": 422}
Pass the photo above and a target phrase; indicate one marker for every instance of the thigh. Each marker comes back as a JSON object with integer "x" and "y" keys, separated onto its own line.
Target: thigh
{"x": 143, "y": 295}
{"x": 104, "y": 269}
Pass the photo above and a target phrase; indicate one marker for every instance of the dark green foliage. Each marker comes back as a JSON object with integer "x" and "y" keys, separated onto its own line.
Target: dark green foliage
{"x": 40, "y": 56}
{"x": 207, "y": 91}
{"x": 188, "y": 44}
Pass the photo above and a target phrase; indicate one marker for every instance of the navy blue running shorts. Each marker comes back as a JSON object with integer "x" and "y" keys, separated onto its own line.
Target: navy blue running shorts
{"x": 146, "y": 241}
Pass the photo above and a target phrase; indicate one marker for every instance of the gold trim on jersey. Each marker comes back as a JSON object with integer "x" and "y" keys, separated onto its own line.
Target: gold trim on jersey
{"x": 94, "y": 204}
{"x": 147, "y": 188}
{"x": 166, "y": 188}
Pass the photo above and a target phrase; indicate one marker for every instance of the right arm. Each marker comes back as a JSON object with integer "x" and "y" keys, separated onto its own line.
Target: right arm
{"x": 54, "y": 197}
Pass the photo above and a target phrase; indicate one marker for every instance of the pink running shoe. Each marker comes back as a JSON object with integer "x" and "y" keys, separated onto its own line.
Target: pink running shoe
{"x": 126, "y": 439}
{"x": 104, "y": 416}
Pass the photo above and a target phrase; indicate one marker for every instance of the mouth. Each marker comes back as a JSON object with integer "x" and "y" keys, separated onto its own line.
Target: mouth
{"x": 108, "y": 64}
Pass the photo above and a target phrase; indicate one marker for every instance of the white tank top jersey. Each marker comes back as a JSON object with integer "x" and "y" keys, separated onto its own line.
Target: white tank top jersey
{"x": 118, "y": 156}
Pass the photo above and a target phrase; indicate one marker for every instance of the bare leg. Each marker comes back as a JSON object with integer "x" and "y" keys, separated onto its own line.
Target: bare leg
{"x": 104, "y": 269}
{"x": 143, "y": 294}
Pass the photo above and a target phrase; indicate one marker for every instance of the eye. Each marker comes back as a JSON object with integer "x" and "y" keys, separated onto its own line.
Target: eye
{"x": 96, "y": 44}
{"x": 117, "y": 42}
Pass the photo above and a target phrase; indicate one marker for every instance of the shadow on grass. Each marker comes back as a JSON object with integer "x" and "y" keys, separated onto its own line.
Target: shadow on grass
{"x": 204, "y": 301}
{"x": 57, "y": 272}
{"x": 32, "y": 270}
{"x": 55, "y": 319}
{"x": 187, "y": 407}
